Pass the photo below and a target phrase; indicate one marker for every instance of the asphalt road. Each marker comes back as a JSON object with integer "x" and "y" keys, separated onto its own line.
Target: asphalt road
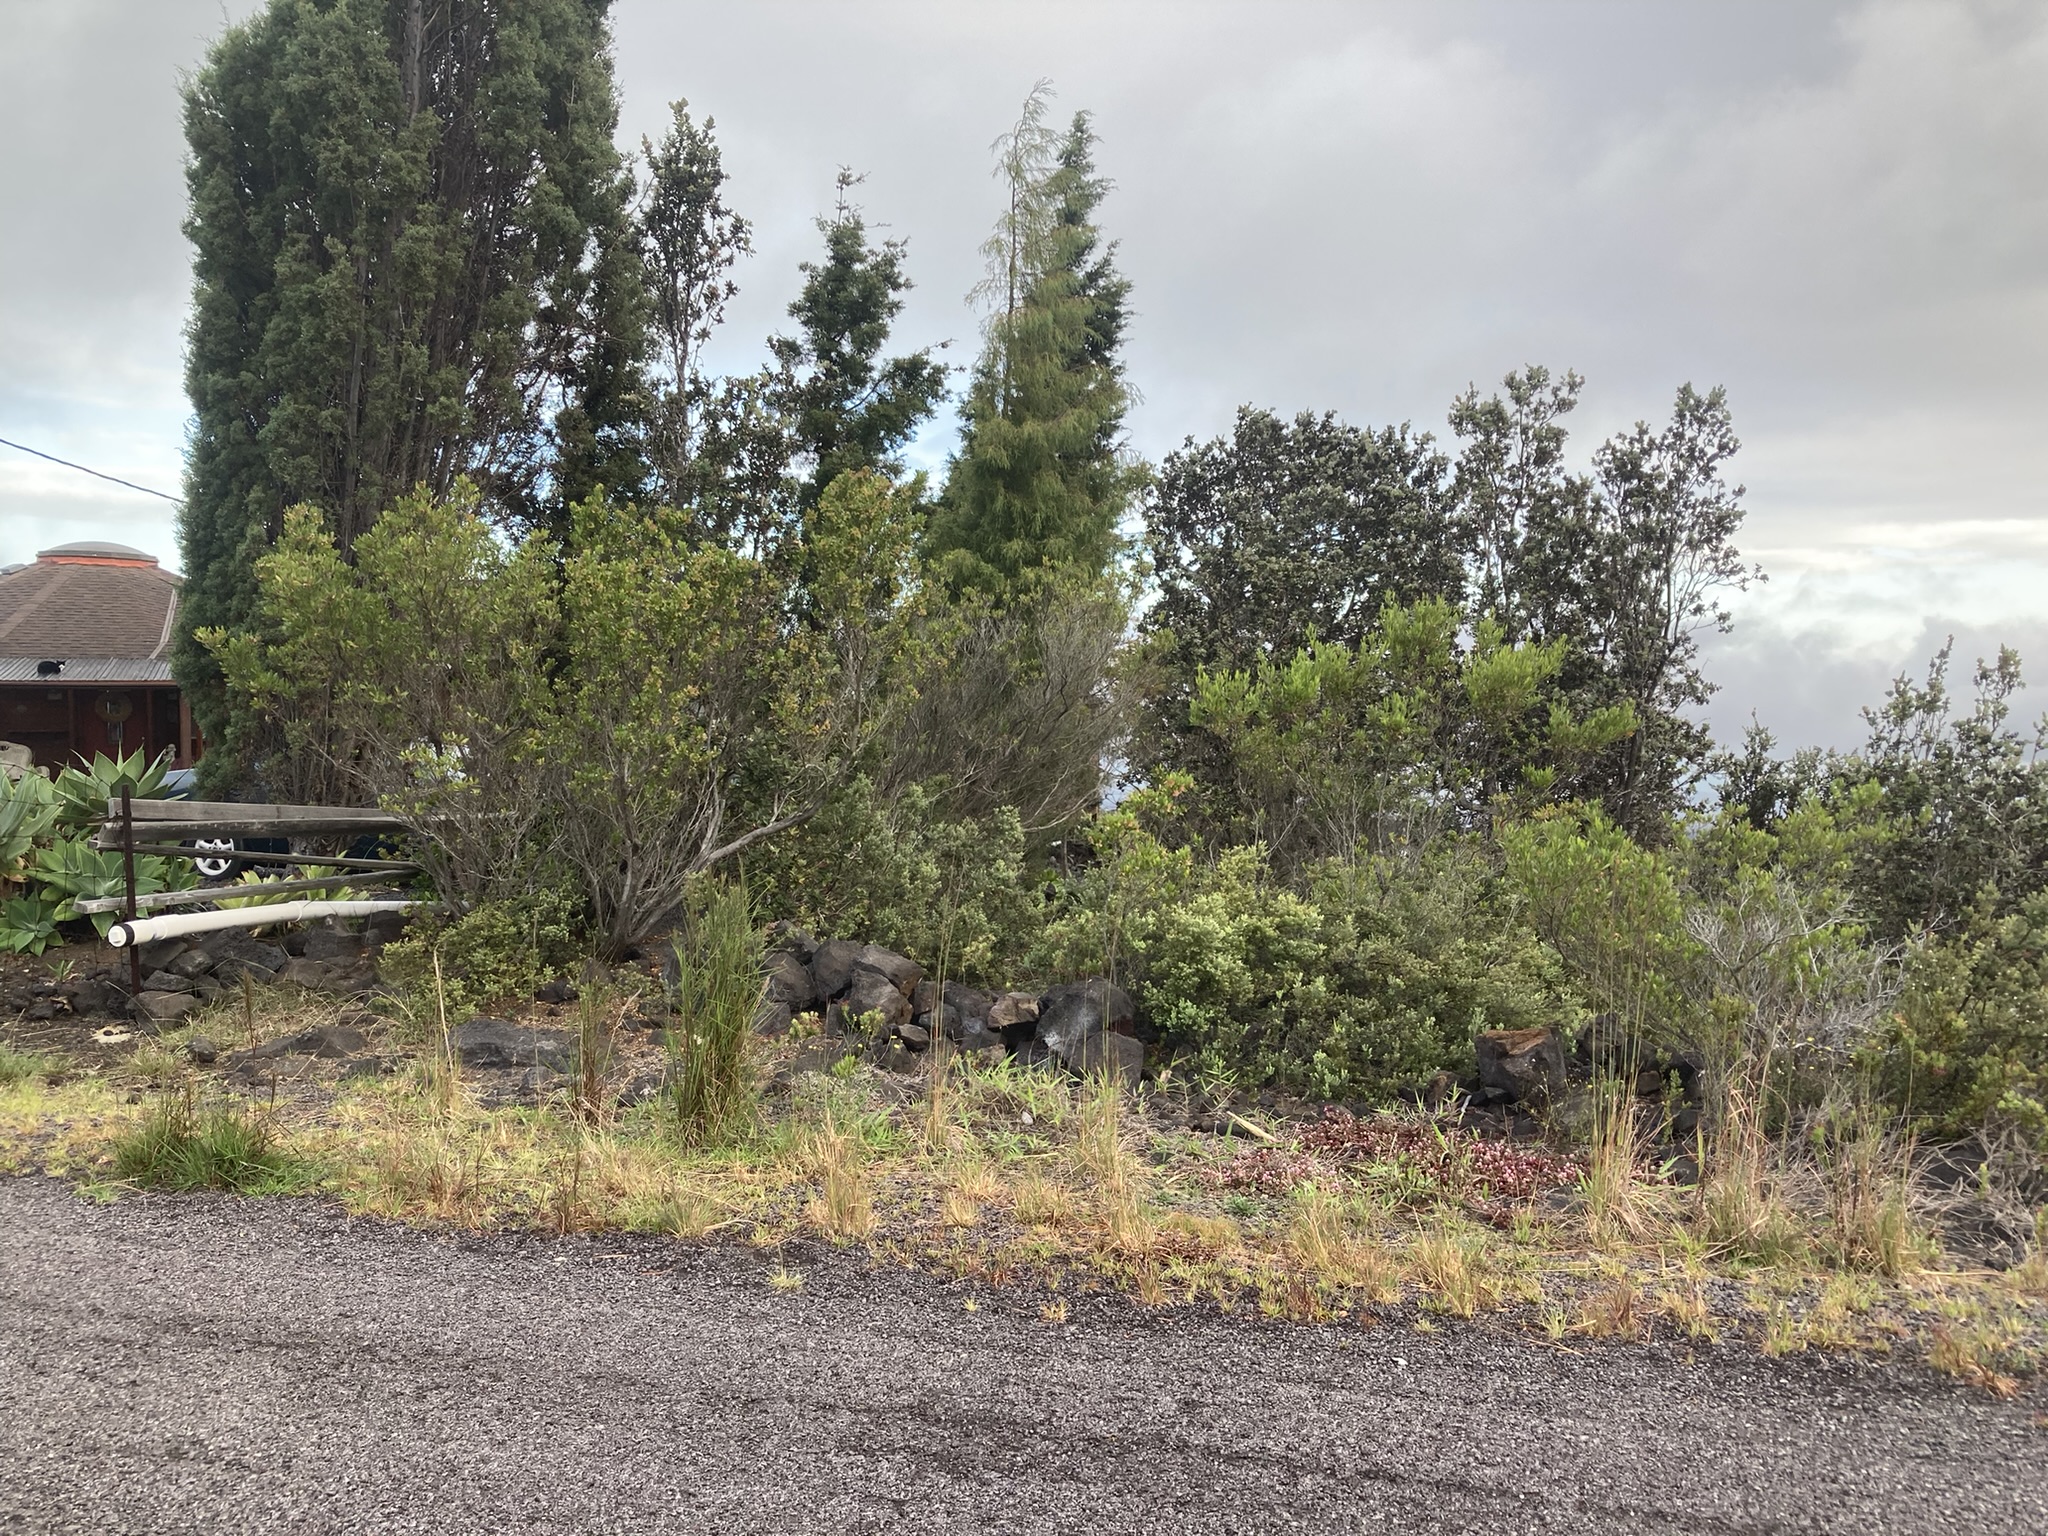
{"x": 216, "y": 1365}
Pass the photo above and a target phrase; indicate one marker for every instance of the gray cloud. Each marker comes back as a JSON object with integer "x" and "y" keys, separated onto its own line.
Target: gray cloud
{"x": 1838, "y": 211}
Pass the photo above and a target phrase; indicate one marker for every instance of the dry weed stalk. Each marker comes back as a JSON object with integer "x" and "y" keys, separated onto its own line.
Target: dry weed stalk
{"x": 565, "y": 1202}
{"x": 599, "y": 1017}
{"x": 1102, "y": 1149}
{"x": 440, "y": 1072}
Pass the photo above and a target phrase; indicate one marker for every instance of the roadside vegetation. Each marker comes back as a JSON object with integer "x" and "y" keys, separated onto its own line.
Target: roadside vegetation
{"x": 1467, "y": 976}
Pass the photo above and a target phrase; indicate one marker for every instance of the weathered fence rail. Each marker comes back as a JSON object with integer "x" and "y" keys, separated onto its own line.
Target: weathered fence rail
{"x": 226, "y": 818}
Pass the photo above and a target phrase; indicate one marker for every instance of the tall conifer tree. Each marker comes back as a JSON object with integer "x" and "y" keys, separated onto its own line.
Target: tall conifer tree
{"x": 412, "y": 261}
{"x": 1040, "y": 481}
{"x": 848, "y": 407}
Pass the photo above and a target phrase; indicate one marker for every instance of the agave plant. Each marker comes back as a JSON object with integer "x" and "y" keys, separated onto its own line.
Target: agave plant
{"x": 254, "y": 890}
{"x": 82, "y": 794}
{"x": 28, "y": 924}
{"x": 72, "y": 870}
{"x": 28, "y": 809}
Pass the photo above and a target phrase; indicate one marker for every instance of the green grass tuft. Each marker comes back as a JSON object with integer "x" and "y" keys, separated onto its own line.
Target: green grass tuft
{"x": 18, "y": 1066}
{"x": 183, "y": 1147}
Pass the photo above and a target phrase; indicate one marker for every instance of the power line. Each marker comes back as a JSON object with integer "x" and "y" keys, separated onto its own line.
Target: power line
{"x": 24, "y": 447}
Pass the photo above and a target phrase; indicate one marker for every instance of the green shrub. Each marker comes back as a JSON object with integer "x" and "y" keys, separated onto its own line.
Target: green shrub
{"x": 1966, "y": 1048}
{"x": 1423, "y": 952}
{"x": 1375, "y": 980}
{"x": 495, "y": 954}
{"x": 1613, "y": 912}
{"x": 948, "y": 890}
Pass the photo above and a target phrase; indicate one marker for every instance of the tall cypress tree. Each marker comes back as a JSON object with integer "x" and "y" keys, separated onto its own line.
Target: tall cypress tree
{"x": 1040, "y": 481}
{"x": 846, "y": 406}
{"x": 412, "y": 261}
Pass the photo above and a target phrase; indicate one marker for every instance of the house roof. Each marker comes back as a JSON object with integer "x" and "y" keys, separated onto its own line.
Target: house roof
{"x": 104, "y": 610}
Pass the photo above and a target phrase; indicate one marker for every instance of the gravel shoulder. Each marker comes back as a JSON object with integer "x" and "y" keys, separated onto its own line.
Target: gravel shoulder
{"x": 215, "y": 1365}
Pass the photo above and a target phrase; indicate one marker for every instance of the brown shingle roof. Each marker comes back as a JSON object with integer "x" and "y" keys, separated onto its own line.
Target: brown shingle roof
{"x": 79, "y": 604}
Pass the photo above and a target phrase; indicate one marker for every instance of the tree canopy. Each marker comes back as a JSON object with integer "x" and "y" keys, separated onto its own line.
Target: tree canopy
{"x": 411, "y": 265}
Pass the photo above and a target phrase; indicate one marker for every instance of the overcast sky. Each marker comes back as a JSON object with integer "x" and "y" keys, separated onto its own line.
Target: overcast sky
{"x": 1838, "y": 211}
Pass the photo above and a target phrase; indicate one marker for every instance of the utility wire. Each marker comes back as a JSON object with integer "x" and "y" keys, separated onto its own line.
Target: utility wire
{"x": 24, "y": 447}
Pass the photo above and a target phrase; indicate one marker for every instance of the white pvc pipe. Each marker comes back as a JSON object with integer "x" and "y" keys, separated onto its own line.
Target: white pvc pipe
{"x": 143, "y": 929}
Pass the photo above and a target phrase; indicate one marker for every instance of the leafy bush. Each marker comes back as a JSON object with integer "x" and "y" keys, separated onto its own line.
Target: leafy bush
{"x": 1782, "y": 979}
{"x": 1964, "y": 801}
{"x": 1372, "y": 975}
{"x": 1613, "y": 911}
{"x": 1338, "y": 746}
{"x": 1374, "y": 980}
{"x": 636, "y": 705}
{"x": 1020, "y": 702}
{"x": 1425, "y": 951}
{"x": 951, "y": 891}
{"x": 495, "y": 954}
{"x": 1966, "y": 1048}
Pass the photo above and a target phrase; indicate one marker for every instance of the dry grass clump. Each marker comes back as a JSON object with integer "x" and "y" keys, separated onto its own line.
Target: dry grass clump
{"x": 1200, "y": 1233}
{"x": 1111, "y": 1168}
{"x": 1036, "y": 1201}
{"x": 1739, "y": 1207}
{"x": 429, "y": 1174}
{"x": 958, "y": 1210}
{"x": 1866, "y": 1172}
{"x": 1455, "y": 1269}
{"x": 844, "y": 1207}
{"x": 1323, "y": 1240}
{"x": 159, "y": 1063}
{"x": 1972, "y": 1353}
{"x": 1687, "y": 1307}
{"x": 1614, "y": 1311}
{"x": 1010, "y": 1095}
{"x": 2030, "y": 1276}
{"x": 1621, "y": 1207}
